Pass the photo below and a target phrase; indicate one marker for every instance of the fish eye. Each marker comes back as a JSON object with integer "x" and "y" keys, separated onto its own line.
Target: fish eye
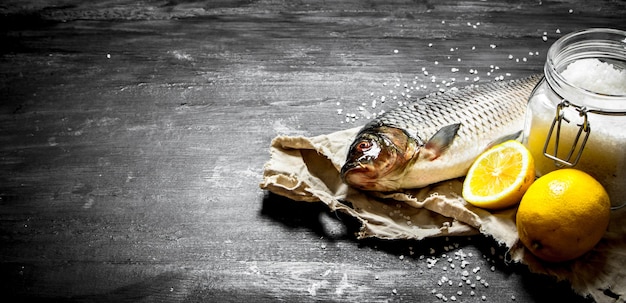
{"x": 364, "y": 146}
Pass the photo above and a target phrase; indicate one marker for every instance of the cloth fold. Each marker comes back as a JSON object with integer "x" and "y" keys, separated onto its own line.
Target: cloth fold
{"x": 307, "y": 169}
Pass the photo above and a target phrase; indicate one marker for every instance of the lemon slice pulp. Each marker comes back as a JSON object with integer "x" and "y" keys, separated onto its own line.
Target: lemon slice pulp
{"x": 500, "y": 176}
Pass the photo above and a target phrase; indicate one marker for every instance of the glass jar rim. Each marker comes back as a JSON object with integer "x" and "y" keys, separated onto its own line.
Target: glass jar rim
{"x": 588, "y": 43}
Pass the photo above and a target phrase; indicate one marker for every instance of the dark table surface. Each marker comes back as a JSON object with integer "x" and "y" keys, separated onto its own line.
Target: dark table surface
{"x": 133, "y": 136}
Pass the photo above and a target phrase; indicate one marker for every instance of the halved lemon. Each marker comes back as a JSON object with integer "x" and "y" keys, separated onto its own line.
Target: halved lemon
{"x": 500, "y": 176}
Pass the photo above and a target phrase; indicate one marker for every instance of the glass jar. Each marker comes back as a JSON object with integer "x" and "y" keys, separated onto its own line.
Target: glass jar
{"x": 574, "y": 125}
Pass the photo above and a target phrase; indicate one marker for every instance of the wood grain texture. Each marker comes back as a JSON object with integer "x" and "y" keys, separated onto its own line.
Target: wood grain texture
{"x": 133, "y": 137}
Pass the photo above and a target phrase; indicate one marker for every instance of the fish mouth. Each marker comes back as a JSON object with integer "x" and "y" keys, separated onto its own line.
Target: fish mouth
{"x": 353, "y": 167}
{"x": 358, "y": 174}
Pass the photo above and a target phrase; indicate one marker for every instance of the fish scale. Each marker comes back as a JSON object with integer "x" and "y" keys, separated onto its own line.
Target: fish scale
{"x": 478, "y": 108}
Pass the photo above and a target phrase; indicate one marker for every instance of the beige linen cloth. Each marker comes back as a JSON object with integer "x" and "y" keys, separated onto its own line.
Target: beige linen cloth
{"x": 307, "y": 169}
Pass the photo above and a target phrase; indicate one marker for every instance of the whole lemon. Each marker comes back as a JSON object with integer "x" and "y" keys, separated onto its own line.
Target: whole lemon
{"x": 563, "y": 215}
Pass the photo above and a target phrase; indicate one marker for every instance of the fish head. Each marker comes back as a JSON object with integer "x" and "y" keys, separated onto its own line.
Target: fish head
{"x": 377, "y": 159}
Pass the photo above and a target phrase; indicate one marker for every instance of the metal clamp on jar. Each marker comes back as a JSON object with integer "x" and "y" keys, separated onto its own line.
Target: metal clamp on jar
{"x": 576, "y": 115}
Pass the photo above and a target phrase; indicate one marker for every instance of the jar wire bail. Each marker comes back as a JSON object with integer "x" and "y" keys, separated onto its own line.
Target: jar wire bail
{"x": 557, "y": 122}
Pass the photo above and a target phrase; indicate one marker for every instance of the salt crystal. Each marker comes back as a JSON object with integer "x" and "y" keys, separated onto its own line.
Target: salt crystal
{"x": 597, "y": 76}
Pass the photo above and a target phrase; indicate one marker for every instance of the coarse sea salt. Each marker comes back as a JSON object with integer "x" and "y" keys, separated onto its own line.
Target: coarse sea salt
{"x": 597, "y": 76}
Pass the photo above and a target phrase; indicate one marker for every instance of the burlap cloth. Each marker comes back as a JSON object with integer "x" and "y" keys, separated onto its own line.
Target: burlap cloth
{"x": 307, "y": 169}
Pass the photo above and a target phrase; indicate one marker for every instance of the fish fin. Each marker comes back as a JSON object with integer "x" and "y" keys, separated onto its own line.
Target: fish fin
{"x": 440, "y": 141}
{"x": 514, "y": 136}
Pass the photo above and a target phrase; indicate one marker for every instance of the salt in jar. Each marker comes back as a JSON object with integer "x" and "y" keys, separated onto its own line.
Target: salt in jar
{"x": 576, "y": 116}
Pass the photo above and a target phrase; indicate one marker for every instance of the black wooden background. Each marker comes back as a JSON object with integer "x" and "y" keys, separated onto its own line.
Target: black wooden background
{"x": 133, "y": 136}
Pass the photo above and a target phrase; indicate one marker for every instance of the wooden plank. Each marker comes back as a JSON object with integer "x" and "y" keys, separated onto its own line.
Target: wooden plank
{"x": 133, "y": 136}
